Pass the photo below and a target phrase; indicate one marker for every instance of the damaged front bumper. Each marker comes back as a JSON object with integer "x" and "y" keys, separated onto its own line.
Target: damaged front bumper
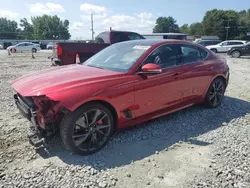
{"x": 29, "y": 111}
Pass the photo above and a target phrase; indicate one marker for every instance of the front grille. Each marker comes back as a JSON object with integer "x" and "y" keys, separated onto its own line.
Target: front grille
{"x": 25, "y": 105}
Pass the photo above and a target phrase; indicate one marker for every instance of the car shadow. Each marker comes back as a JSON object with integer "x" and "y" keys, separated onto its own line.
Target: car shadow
{"x": 245, "y": 57}
{"x": 142, "y": 141}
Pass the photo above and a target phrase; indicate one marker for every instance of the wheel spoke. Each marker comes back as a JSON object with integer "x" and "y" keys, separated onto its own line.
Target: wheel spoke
{"x": 105, "y": 115}
{"x": 94, "y": 119}
{"x": 211, "y": 95}
{"x": 98, "y": 130}
{"x": 80, "y": 122}
{"x": 215, "y": 100}
{"x": 102, "y": 127}
{"x": 220, "y": 85}
{"x": 86, "y": 118}
{"x": 82, "y": 139}
{"x": 214, "y": 87}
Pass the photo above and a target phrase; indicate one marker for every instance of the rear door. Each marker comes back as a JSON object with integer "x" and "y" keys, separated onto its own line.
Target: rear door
{"x": 28, "y": 47}
{"x": 196, "y": 71}
{"x": 234, "y": 44}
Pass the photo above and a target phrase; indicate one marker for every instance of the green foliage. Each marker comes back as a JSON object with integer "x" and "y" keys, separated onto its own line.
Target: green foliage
{"x": 196, "y": 29}
{"x": 27, "y": 32}
{"x": 41, "y": 28}
{"x": 9, "y": 29}
{"x": 166, "y": 25}
{"x": 50, "y": 27}
{"x": 214, "y": 23}
{"x": 184, "y": 29}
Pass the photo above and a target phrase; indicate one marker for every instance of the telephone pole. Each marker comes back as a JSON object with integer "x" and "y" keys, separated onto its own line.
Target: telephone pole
{"x": 227, "y": 28}
{"x": 92, "y": 26}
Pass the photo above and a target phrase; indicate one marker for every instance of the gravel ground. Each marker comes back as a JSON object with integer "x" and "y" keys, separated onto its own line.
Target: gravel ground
{"x": 195, "y": 147}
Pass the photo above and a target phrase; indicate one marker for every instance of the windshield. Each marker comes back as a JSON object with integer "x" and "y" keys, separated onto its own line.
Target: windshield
{"x": 118, "y": 57}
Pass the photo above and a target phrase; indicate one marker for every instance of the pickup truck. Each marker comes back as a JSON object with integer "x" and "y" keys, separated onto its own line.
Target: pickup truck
{"x": 64, "y": 53}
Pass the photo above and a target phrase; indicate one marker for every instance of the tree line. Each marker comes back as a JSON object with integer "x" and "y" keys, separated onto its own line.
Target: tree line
{"x": 226, "y": 24}
{"x": 41, "y": 28}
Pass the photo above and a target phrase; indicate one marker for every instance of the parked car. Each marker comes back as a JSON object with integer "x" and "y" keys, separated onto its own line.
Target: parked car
{"x": 25, "y": 47}
{"x": 42, "y": 45}
{"x": 123, "y": 85}
{"x": 238, "y": 51}
{"x": 50, "y": 46}
{"x": 208, "y": 42}
{"x": 65, "y": 52}
{"x": 6, "y": 45}
{"x": 225, "y": 45}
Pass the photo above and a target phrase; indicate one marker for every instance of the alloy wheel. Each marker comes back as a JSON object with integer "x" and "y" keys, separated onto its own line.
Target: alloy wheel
{"x": 216, "y": 92}
{"x": 236, "y": 54}
{"x": 91, "y": 130}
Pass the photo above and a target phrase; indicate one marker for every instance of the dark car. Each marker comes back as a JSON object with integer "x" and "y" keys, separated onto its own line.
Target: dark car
{"x": 42, "y": 45}
{"x": 208, "y": 42}
{"x": 6, "y": 45}
{"x": 125, "y": 84}
{"x": 238, "y": 51}
{"x": 64, "y": 53}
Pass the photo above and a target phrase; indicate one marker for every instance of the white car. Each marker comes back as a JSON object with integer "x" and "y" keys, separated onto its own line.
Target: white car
{"x": 225, "y": 45}
{"x": 25, "y": 47}
{"x": 50, "y": 46}
{"x": 1, "y": 46}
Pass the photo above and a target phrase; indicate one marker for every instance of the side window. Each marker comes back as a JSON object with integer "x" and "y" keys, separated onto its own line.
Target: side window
{"x": 224, "y": 44}
{"x": 166, "y": 56}
{"x": 23, "y": 44}
{"x": 190, "y": 54}
{"x": 118, "y": 37}
{"x": 235, "y": 43}
{"x": 134, "y": 36}
{"x": 203, "y": 54}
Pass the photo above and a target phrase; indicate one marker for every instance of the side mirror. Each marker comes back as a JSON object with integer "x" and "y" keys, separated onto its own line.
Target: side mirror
{"x": 151, "y": 68}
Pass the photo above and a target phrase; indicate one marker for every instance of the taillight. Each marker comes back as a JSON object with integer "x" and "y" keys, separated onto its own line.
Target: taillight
{"x": 59, "y": 50}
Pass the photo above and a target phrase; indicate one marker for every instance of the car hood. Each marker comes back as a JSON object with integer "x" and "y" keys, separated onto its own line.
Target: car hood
{"x": 60, "y": 78}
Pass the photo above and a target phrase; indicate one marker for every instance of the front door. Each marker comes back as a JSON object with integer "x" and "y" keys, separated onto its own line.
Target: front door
{"x": 156, "y": 92}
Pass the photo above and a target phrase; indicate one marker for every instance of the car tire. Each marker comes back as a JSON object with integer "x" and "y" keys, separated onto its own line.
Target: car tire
{"x": 80, "y": 128}
{"x": 34, "y": 50}
{"x": 214, "y": 50}
{"x": 235, "y": 54}
{"x": 215, "y": 93}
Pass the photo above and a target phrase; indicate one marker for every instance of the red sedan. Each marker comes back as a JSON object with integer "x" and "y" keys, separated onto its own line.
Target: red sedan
{"x": 123, "y": 85}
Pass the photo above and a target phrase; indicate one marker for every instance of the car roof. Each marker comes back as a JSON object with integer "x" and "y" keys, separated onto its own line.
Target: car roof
{"x": 209, "y": 40}
{"x": 234, "y": 41}
{"x": 151, "y": 42}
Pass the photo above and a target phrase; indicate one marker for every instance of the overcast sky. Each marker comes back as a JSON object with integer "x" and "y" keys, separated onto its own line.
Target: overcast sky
{"x": 133, "y": 15}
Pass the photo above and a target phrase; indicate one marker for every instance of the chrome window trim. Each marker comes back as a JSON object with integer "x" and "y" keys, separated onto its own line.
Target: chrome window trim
{"x": 175, "y": 65}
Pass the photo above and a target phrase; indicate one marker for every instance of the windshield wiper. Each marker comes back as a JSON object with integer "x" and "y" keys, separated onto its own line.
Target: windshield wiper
{"x": 95, "y": 66}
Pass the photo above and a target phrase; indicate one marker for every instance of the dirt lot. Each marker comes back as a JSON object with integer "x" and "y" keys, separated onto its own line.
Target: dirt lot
{"x": 195, "y": 147}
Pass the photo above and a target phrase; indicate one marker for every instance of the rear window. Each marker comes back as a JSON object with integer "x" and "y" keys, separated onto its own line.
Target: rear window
{"x": 103, "y": 38}
{"x": 235, "y": 43}
{"x": 177, "y": 37}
